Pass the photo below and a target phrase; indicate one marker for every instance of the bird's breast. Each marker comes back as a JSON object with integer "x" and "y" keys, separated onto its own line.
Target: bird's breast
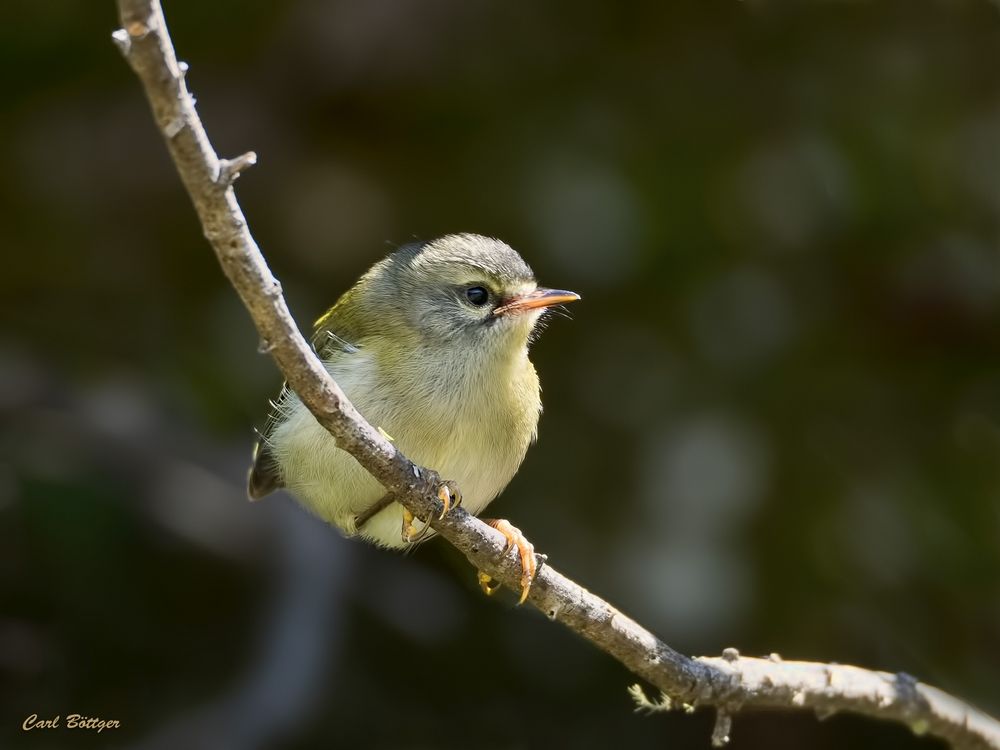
{"x": 470, "y": 422}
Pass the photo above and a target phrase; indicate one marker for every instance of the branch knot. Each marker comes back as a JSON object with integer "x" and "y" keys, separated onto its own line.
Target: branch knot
{"x": 231, "y": 169}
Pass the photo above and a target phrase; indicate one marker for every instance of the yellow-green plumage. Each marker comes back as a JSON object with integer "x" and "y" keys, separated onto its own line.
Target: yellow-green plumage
{"x": 448, "y": 380}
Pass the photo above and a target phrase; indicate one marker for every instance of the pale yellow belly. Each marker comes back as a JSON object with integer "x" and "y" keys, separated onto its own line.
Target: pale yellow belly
{"x": 480, "y": 454}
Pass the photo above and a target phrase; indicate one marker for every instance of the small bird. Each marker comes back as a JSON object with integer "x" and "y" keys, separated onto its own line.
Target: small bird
{"x": 431, "y": 346}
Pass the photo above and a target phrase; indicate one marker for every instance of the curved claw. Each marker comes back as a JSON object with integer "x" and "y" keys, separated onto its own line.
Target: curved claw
{"x": 525, "y": 551}
{"x": 487, "y": 584}
{"x": 409, "y": 531}
{"x": 450, "y": 497}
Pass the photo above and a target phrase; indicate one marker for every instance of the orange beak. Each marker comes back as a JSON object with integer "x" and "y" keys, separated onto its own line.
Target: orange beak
{"x": 536, "y": 299}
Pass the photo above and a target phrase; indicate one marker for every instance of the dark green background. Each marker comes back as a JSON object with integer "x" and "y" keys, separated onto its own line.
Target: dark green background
{"x": 774, "y": 422}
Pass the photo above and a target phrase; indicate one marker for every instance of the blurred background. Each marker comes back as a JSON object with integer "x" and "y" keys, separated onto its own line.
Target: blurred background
{"x": 774, "y": 422}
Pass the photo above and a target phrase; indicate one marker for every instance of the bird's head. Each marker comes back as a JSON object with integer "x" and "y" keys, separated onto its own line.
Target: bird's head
{"x": 463, "y": 290}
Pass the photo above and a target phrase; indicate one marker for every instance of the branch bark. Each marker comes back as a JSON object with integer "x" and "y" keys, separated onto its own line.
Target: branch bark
{"x": 729, "y": 683}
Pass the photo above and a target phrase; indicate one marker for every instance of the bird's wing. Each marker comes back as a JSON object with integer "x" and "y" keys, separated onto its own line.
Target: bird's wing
{"x": 265, "y": 473}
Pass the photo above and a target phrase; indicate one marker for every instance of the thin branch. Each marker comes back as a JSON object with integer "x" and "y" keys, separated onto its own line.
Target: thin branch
{"x": 729, "y": 683}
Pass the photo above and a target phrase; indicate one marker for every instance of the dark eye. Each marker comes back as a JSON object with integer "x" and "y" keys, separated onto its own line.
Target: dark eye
{"x": 477, "y": 295}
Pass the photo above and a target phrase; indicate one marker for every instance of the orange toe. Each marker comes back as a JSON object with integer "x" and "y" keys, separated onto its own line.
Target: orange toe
{"x": 525, "y": 551}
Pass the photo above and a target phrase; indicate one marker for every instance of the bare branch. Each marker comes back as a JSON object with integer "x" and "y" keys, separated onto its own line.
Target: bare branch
{"x": 729, "y": 683}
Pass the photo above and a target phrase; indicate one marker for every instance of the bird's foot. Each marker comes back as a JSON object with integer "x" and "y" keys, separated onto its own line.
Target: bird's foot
{"x": 525, "y": 551}
{"x": 450, "y": 497}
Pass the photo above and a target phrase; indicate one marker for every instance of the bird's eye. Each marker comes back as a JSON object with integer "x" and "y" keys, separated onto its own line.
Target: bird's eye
{"x": 477, "y": 295}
